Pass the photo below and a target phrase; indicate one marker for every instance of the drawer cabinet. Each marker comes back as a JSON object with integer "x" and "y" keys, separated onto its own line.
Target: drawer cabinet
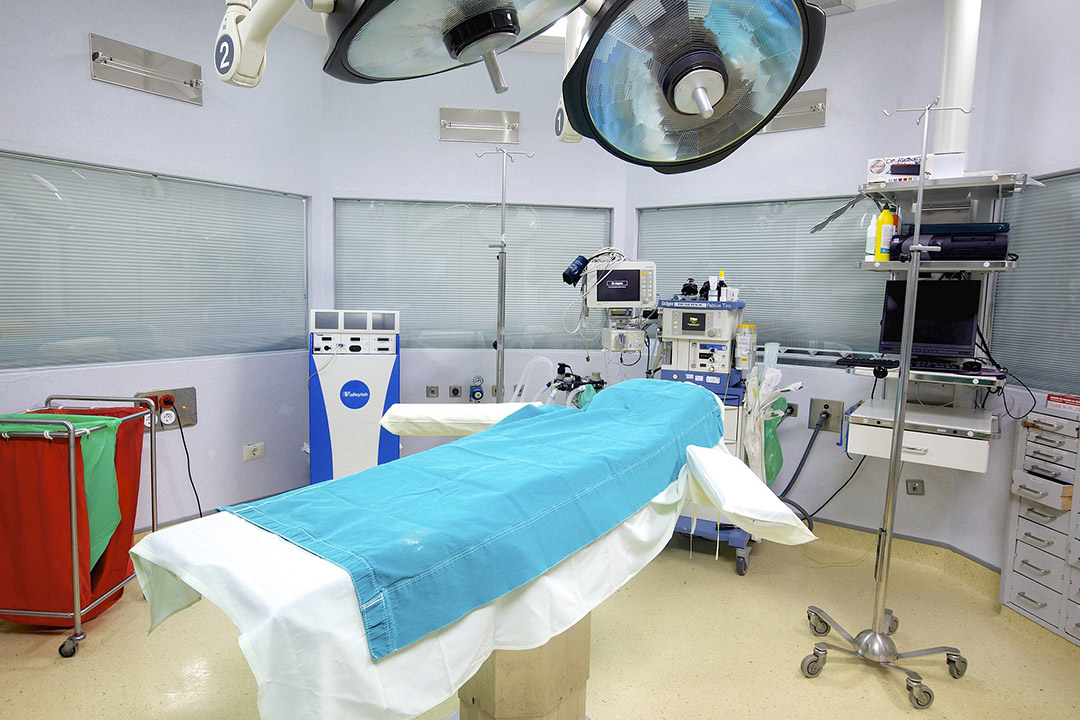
{"x": 1040, "y": 575}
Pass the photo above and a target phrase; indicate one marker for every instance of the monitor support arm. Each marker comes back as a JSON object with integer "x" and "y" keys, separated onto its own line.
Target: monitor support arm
{"x": 240, "y": 51}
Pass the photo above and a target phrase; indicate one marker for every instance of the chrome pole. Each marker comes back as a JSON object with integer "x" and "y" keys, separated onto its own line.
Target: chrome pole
{"x": 500, "y": 353}
{"x": 885, "y": 534}
{"x": 500, "y": 332}
{"x": 73, "y": 490}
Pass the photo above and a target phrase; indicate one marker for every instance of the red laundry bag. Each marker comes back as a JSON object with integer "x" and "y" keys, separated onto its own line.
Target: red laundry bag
{"x": 35, "y": 529}
{"x": 115, "y": 565}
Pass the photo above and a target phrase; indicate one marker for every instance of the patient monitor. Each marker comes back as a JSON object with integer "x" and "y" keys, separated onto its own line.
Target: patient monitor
{"x": 622, "y": 288}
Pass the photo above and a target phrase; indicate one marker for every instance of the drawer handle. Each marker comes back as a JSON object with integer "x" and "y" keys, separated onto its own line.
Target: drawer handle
{"x": 1045, "y": 470}
{"x": 1047, "y": 424}
{"x": 1036, "y": 538}
{"x": 1035, "y": 568}
{"x": 1033, "y": 601}
{"x": 1048, "y": 455}
{"x": 1044, "y": 516}
{"x": 915, "y": 450}
{"x": 1036, "y": 493}
{"x": 1050, "y": 441}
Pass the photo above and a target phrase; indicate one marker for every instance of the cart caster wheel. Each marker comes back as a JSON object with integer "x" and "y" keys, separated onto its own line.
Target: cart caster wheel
{"x": 957, "y": 665}
{"x": 741, "y": 565}
{"x": 811, "y": 665}
{"x": 921, "y": 697}
{"x": 818, "y": 626}
{"x": 68, "y": 648}
{"x": 894, "y": 625}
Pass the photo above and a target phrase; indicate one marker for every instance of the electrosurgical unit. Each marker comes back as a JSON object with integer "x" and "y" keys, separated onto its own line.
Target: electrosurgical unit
{"x": 354, "y": 377}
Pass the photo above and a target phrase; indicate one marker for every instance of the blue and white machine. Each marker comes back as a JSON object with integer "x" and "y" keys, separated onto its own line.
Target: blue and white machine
{"x": 355, "y": 376}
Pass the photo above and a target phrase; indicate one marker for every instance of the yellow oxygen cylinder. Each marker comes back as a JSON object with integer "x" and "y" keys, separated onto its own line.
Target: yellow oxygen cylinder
{"x": 885, "y": 229}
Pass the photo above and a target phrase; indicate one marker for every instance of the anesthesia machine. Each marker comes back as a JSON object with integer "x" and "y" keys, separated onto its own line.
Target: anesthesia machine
{"x": 700, "y": 333}
{"x": 355, "y": 368}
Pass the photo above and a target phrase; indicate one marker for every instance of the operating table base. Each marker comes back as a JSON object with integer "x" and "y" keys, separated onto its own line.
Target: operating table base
{"x": 879, "y": 648}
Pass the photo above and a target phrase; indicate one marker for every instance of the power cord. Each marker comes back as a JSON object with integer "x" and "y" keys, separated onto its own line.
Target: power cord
{"x": 167, "y": 402}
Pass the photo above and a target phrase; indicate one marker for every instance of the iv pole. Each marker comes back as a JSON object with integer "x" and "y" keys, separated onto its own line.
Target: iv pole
{"x": 500, "y": 344}
{"x": 874, "y": 644}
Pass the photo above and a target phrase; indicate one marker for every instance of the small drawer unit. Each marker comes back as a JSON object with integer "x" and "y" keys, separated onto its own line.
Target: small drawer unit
{"x": 1040, "y": 577}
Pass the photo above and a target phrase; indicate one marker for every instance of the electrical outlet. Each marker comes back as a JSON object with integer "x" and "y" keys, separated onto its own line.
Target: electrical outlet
{"x": 433, "y": 391}
{"x": 173, "y": 407}
{"x": 455, "y": 391}
{"x": 835, "y": 423}
{"x": 916, "y": 487}
{"x": 254, "y": 451}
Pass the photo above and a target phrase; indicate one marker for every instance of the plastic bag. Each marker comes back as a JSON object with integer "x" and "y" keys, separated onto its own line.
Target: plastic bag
{"x": 774, "y": 455}
{"x": 762, "y": 392}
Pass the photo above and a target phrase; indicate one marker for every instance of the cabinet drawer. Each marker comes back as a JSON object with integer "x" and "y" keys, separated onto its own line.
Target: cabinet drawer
{"x": 1040, "y": 566}
{"x": 1049, "y": 517}
{"x": 1072, "y": 620}
{"x": 1034, "y": 599}
{"x": 960, "y": 453}
{"x": 1048, "y": 469}
{"x": 1073, "y": 558}
{"x": 1052, "y": 440}
{"x": 1044, "y": 453}
{"x": 1042, "y": 538}
{"x": 1073, "y": 584}
{"x": 1050, "y": 493}
{"x": 1056, "y": 425}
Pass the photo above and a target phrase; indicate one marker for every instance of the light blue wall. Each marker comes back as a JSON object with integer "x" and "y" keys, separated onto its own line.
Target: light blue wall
{"x": 303, "y": 132}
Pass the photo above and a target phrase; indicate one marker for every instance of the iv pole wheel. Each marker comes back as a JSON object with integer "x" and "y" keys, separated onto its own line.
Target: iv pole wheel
{"x": 920, "y": 695}
{"x": 818, "y": 625}
{"x": 812, "y": 664}
{"x": 957, "y": 665}
{"x": 894, "y": 625}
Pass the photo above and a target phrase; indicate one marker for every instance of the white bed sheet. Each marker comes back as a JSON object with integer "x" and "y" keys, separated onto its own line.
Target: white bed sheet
{"x": 301, "y": 630}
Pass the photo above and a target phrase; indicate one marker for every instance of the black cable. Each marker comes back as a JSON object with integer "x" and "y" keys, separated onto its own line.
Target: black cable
{"x": 187, "y": 455}
{"x": 822, "y": 417}
{"x": 807, "y": 518}
{"x": 1034, "y": 401}
{"x": 841, "y": 487}
{"x": 631, "y": 364}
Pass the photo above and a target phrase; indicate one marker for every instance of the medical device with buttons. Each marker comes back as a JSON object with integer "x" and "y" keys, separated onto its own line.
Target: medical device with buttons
{"x": 354, "y": 376}
{"x": 623, "y": 288}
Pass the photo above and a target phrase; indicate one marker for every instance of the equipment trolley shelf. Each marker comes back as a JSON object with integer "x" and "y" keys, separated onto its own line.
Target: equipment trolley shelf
{"x": 70, "y": 478}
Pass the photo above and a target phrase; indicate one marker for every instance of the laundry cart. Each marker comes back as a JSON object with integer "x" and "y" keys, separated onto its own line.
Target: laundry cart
{"x": 69, "y": 489}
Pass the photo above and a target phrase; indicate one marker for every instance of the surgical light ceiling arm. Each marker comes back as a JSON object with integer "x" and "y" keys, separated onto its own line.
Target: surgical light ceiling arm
{"x": 240, "y": 51}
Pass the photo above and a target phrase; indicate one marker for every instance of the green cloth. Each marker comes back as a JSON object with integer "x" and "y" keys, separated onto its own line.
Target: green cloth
{"x": 99, "y": 470}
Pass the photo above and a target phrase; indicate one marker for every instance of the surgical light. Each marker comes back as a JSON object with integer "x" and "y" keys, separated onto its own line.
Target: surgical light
{"x": 678, "y": 86}
{"x": 379, "y": 40}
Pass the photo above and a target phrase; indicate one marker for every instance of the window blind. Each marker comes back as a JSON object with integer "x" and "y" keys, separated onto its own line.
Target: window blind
{"x": 801, "y": 290}
{"x": 103, "y": 265}
{"x": 1037, "y": 305}
{"x": 433, "y": 262}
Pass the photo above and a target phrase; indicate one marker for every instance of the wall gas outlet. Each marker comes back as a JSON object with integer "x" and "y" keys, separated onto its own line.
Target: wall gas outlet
{"x": 254, "y": 451}
{"x": 455, "y": 391}
{"x": 432, "y": 391}
{"x": 174, "y": 407}
{"x": 916, "y": 487}
{"x": 835, "y": 423}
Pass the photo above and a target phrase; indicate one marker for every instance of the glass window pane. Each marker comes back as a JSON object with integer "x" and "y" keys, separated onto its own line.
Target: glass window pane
{"x": 102, "y": 265}
{"x": 433, "y": 262}
{"x": 1037, "y": 305}
{"x": 802, "y": 290}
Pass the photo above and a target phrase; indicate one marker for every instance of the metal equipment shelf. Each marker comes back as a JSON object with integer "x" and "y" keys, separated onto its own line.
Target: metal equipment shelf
{"x": 974, "y": 266}
{"x": 940, "y": 377}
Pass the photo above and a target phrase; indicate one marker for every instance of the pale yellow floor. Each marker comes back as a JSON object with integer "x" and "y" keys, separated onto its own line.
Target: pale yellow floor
{"x": 686, "y": 638}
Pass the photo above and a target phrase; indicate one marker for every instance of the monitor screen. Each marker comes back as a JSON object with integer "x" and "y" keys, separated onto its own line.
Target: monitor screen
{"x": 946, "y": 317}
{"x": 618, "y": 286}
